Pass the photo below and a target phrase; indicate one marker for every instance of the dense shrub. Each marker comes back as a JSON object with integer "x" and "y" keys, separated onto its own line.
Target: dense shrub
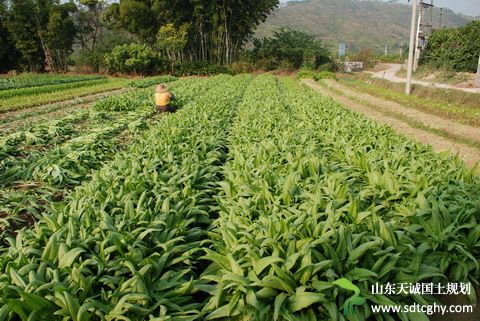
{"x": 134, "y": 59}
{"x": 200, "y": 68}
{"x": 454, "y": 48}
{"x": 305, "y": 73}
{"x": 241, "y": 67}
{"x": 324, "y": 75}
{"x": 316, "y": 75}
{"x": 289, "y": 49}
{"x": 330, "y": 66}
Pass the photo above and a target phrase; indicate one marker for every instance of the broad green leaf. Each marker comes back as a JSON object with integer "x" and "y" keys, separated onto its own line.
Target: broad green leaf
{"x": 68, "y": 259}
{"x": 302, "y": 300}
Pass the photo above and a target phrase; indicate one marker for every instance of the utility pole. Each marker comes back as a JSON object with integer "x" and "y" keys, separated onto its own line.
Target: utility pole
{"x": 441, "y": 18}
{"x": 411, "y": 50}
{"x": 401, "y": 50}
{"x": 419, "y": 38}
{"x": 477, "y": 80}
{"x": 431, "y": 15}
{"x": 386, "y": 49}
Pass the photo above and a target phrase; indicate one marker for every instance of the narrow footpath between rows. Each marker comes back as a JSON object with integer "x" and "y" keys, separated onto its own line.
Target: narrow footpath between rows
{"x": 470, "y": 155}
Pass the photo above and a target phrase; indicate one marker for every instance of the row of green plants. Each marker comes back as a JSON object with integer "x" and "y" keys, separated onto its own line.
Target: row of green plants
{"x": 21, "y": 92}
{"x": 315, "y": 75}
{"x": 151, "y": 81}
{"x": 37, "y": 80}
{"x": 27, "y": 120}
{"x": 36, "y": 99}
{"x": 126, "y": 245}
{"x": 125, "y": 102}
{"x": 315, "y": 195}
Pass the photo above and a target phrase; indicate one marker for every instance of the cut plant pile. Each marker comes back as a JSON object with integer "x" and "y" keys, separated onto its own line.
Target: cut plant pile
{"x": 250, "y": 203}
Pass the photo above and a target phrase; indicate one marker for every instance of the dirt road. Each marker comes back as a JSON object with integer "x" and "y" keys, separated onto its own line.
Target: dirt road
{"x": 390, "y": 75}
{"x": 470, "y": 155}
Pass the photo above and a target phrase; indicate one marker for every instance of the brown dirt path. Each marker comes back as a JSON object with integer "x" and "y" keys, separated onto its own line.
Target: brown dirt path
{"x": 447, "y": 126}
{"x": 470, "y": 155}
{"x": 390, "y": 74}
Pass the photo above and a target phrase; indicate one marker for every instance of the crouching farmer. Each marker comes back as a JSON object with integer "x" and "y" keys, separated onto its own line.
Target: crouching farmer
{"x": 163, "y": 99}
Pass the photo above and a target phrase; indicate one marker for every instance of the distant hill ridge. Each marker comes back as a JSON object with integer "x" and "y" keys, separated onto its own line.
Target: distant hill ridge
{"x": 360, "y": 24}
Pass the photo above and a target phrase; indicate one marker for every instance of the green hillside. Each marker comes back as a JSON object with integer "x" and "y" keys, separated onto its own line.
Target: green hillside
{"x": 360, "y": 24}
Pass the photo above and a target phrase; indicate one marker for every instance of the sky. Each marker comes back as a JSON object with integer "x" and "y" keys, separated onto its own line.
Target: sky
{"x": 468, "y": 7}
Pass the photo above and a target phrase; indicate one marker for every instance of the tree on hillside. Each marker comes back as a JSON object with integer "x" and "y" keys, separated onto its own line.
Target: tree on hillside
{"x": 218, "y": 29}
{"x": 290, "y": 48}
{"x": 454, "y": 48}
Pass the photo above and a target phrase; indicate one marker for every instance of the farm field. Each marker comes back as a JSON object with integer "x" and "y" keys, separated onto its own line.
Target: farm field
{"x": 258, "y": 200}
{"x": 24, "y": 92}
{"x": 442, "y": 132}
